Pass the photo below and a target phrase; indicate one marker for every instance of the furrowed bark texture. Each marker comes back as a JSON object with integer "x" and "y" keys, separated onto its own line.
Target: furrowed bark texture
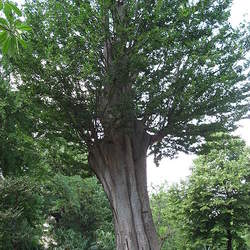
{"x": 120, "y": 165}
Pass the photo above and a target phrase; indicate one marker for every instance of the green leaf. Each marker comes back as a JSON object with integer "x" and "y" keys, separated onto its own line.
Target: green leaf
{"x": 6, "y": 45}
{"x": 3, "y": 36}
{"x": 7, "y": 10}
{"x": 1, "y": 4}
{"x": 18, "y": 22}
{"x": 22, "y": 42}
{"x": 15, "y": 9}
{"x": 24, "y": 27}
{"x": 12, "y": 45}
{"x": 3, "y": 22}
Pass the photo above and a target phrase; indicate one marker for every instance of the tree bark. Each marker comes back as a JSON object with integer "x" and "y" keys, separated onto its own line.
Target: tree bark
{"x": 120, "y": 165}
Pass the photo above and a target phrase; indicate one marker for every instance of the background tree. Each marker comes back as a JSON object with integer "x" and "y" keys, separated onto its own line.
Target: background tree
{"x": 211, "y": 209}
{"x": 128, "y": 77}
{"x": 217, "y": 204}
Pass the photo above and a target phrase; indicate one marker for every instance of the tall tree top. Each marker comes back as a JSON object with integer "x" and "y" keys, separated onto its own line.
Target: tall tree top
{"x": 175, "y": 67}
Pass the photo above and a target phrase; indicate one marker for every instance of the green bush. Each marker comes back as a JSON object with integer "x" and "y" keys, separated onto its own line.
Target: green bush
{"x": 80, "y": 214}
{"x": 21, "y": 217}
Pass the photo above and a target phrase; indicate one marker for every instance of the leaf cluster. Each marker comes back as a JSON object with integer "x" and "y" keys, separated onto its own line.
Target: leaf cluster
{"x": 12, "y": 28}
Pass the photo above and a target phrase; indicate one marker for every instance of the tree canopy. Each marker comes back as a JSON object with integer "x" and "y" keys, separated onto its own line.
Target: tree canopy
{"x": 176, "y": 67}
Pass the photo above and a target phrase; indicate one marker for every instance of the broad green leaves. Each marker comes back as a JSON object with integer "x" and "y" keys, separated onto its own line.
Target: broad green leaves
{"x": 12, "y": 29}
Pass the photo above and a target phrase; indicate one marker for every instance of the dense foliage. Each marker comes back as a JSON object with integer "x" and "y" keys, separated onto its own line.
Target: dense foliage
{"x": 21, "y": 220}
{"x": 212, "y": 208}
{"x": 218, "y": 199}
{"x": 167, "y": 219}
{"x": 18, "y": 154}
{"x": 64, "y": 213}
{"x": 81, "y": 217}
{"x": 44, "y": 200}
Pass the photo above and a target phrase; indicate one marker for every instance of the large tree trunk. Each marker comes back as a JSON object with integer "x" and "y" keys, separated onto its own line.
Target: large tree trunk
{"x": 120, "y": 165}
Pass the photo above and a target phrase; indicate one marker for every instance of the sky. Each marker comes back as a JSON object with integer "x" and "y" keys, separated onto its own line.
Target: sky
{"x": 172, "y": 171}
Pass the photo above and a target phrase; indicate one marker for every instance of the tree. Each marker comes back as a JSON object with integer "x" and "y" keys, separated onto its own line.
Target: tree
{"x": 216, "y": 205}
{"x": 210, "y": 209}
{"x": 130, "y": 77}
{"x": 159, "y": 206}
